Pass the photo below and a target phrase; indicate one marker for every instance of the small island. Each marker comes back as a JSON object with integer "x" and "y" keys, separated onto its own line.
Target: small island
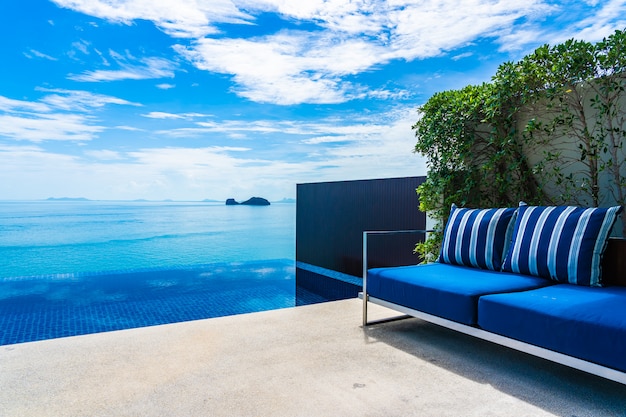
{"x": 254, "y": 201}
{"x": 67, "y": 199}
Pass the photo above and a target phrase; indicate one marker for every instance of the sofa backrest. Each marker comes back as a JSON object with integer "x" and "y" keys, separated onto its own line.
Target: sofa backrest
{"x": 614, "y": 263}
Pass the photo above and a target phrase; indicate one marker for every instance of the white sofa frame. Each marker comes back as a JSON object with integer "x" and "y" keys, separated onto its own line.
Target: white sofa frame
{"x": 570, "y": 361}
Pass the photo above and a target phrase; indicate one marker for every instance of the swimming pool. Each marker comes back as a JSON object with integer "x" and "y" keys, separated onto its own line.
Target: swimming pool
{"x": 47, "y": 307}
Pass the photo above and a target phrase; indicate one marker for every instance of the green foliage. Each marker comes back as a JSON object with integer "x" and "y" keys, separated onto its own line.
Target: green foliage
{"x": 545, "y": 130}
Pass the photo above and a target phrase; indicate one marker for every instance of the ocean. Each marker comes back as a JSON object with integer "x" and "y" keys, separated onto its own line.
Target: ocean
{"x": 68, "y": 237}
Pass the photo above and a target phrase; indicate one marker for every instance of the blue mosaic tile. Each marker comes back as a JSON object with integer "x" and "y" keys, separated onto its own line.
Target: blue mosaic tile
{"x": 46, "y": 307}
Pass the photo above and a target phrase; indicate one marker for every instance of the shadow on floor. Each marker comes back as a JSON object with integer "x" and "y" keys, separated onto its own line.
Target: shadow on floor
{"x": 554, "y": 388}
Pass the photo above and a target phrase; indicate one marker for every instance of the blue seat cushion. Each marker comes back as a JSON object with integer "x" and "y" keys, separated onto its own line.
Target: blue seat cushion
{"x": 588, "y": 323}
{"x": 444, "y": 290}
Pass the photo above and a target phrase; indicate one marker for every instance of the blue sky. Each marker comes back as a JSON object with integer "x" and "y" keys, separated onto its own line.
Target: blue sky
{"x": 211, "y": 99}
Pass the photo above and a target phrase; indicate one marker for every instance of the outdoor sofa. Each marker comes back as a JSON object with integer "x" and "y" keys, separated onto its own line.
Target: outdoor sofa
{"x": 530, "y": 278}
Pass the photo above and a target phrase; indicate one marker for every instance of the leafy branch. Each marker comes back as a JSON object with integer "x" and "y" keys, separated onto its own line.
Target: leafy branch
{"x": 549, "y": 129}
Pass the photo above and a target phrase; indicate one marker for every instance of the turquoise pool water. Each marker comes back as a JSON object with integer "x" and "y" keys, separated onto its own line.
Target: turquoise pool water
{"x": 38, "y": 308}
{"x": 72, "y": 268}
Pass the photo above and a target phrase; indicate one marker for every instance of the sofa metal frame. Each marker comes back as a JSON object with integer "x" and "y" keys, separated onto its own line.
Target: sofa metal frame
{"x": 560, "y": 358}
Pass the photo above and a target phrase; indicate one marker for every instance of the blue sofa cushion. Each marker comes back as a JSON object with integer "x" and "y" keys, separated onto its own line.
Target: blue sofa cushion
{"x": 588, "y": 323}
{"x": 448, "y": 291}
{"x": 476, "y": 237}
{"x": 560, "y": 243}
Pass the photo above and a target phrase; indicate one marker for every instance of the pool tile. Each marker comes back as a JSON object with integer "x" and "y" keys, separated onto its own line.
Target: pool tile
{"x": 39, "y": 308}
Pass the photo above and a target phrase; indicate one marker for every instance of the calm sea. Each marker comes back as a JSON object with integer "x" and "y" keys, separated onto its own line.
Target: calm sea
{"x": 58, "y": 237}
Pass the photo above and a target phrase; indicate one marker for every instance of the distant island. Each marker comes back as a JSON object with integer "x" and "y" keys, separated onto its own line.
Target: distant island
{"x": 67, "y": 199}
{"x": 254, "y": 201}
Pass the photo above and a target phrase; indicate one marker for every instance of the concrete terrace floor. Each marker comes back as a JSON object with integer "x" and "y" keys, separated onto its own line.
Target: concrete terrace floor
{"x": 304, "y": 361}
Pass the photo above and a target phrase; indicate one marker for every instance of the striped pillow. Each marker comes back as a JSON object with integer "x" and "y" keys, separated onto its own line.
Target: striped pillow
{"x": 476, "y": 237}
{"x": 562, "y": 243}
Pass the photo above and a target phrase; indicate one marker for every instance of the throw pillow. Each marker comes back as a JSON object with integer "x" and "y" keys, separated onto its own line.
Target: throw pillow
{"x": 476, "y": 237}
{"x": 562, "y": 243}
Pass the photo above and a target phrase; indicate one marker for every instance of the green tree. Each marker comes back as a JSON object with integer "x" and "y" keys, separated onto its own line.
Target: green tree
{"x": 580, "y": 128}
{"x": 548, "y": 129}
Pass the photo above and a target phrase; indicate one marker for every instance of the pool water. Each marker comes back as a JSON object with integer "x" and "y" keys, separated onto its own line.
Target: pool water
{"x": 46, "y": 307}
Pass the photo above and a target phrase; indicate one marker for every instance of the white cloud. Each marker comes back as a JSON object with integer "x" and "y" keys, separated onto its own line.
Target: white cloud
{"x": 462, "y": 56}
{"x": 289, "y": 67}
{"x": 600, "y": 22}
{"x": 350, "y": 128}
{"x": 53, "y": 126}
{"x": 236, "y": 126}
{"x": 329, "y": 139}
{"x": 82, "y": 46}
{"x": 519, "y": 39}
{"x": 42, "y": 174}
{"x": 148, "y": 68}
{"x": 62, "y": 115}
{"x": 166, "y": 115}
{"x": 79, "y": 49}
{"x": 129, "y": 128}
{"x": 361, "y": 149}
{"x": 165, "y": 86}
{"x": 427, "y": 29}
{"x": 162, "y": 115}
{"x": 319, "y": 55}
{"x": 190, "y": 19}
{"x": 345, "y": 39}
{"x": 358, "y": 16}
{"x": 383, "y": 94}
{"x": 105, "y": 61}
{"x": 11, "y": 105}
{"x": 358, "y": 146}
{"x": 293, "y": 67}
{"x": 80, "y": 101}
{"x": 37, "y": 54}
{"x": 21, "y": 162}
{"x": 381, "y": 148}
{"x": 604, "y": 23}
{"x": 104, "y": 155}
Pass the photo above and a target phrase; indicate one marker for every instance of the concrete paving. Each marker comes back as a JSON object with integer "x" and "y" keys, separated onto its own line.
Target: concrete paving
{"x": 304, "y": 361}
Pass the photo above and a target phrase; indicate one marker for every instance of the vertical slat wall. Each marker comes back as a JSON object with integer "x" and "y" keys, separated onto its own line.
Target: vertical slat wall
{"x": 614, "y": 262}
{"x": 331, "y": 218}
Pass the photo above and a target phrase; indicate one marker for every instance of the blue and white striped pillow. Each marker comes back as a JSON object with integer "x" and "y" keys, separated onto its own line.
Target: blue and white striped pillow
{"x": 476, "y": 237}
{"x": 562, "y": 243}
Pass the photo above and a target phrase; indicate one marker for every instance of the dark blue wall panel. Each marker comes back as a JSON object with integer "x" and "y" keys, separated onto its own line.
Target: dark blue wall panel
{"x": 331, "y": 218}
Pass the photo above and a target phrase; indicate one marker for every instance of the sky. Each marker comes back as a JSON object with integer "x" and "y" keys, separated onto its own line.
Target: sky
{"x": 216, "y": 99}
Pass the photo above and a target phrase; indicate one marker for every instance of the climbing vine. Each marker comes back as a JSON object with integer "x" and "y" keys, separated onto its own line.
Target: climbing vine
{"x": 549, "y": 129}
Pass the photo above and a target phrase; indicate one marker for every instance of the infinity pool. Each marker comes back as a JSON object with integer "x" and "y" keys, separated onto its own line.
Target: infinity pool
{"x": 47, "y": 307}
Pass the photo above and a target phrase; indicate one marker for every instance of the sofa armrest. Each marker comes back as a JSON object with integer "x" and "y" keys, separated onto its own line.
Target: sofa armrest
{"x": 368, "y": 233}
